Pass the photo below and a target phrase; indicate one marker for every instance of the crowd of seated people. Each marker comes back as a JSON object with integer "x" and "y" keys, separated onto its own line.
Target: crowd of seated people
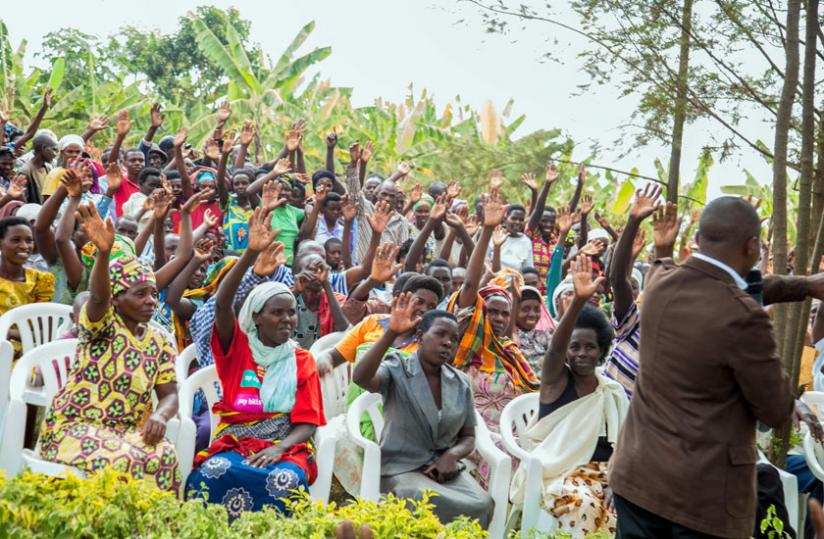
{"x": 449, "y": 308}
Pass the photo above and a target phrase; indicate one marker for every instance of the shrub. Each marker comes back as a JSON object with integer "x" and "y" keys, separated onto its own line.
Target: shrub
{"x": 110, "y": 504}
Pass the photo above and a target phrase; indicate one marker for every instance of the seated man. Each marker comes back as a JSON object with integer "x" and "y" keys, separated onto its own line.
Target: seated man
{"x": 429, "y": 414}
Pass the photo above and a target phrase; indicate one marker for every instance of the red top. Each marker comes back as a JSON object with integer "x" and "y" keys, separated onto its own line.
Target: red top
{"x": 241, "y": 378}
{"x": 197, "y": 216}
{"x": 127, "y": 189}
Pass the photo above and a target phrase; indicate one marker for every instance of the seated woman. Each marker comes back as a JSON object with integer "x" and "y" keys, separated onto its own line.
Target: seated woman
{"x": 534, "y": 327}
{"x": 495, "y": 365}
{"x": 271, "y": 401}
{"x": 102, "y": 416}
{"x": 20, "y": 285}
{"x": 579, "y": 418}
{"x": 429, "y": 414}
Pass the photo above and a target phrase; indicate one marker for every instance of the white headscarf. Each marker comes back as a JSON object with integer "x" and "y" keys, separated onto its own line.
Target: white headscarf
{"x": 70, "y": 140}
{"x": 277, "y": 392}
{"x": 564, "y": 286}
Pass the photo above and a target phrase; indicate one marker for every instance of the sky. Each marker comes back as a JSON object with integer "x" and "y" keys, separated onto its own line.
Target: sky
{"x": 380, "y": 47}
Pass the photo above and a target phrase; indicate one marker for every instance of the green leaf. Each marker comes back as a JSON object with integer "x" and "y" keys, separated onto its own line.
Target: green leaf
{"x": 739, "y": 190}
{"x": 56, "y": 77}
{"x": 698, "y": 190}
{"x": 232, "y": 66}
{"x": 298, "y": 40}
{"x": 624, "y": 197}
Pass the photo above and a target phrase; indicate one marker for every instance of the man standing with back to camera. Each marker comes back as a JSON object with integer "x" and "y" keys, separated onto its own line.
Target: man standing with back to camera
{"x": 685, "y": 463}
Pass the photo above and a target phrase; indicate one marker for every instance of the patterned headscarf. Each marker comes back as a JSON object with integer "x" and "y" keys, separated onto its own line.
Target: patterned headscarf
{"x": 215, "y": 275}
{"x": 122, "y": 247}
{"x": 426, "y": 199}
{"x": 506, "y": 278}
{"x": 125, "y": 273}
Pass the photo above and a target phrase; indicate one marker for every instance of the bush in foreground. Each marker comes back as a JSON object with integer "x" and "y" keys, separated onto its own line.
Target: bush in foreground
{"x": 109, "y": 504}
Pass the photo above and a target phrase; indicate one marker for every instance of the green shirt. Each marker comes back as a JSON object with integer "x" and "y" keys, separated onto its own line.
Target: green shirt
{"x": 288, "y": 219}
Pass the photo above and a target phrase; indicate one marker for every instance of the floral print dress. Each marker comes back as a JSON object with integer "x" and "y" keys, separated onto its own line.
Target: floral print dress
{"x": 95, "y": 419}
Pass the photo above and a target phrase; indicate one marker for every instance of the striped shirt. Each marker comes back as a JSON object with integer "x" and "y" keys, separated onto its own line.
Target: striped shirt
{"x": 622, "y": 363}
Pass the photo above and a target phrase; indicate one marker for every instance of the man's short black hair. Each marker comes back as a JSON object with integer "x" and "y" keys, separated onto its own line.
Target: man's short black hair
{"x": 429, "y": 317}
{"x": 146, "y": 172}
{"x": 437, "y": 263}
{"x": 331, "y": 197}
{"x": 7, "y": 222}
{"x": 515, "y": 207}
{"x": 330, "y": 242}
{"x": 424, "y": 282}
{"x": 400, "y": 282}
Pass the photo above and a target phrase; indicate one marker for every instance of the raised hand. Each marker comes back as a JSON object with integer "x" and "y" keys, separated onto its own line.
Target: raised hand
{"x": 212, "y": 150}
{"x": 228, "y": 144}
{"x": 453, "y": 189}
{"x": 282, "y": 167}
{"x": 270, "y": 259}
{"x": 367, "y": 151}
{"x": 601, "y": 220}
{"x": 593, "y": 248}
{"x": 564, "y": 219}
{"x": 438, "y": 210}
{"x": 355, "y": 152}
{"x": 581, "y": 269}
{"x": 402, "y": 318}
{"x": 381, "y": 216}
{"x": 162, "y": 201}
{"x": 646, "y": 202}
{"x": 320, "y": 194}
{"x": 301, "y": 177}
{"x": 665, "y": 225}
{"x": 331, "y": 139}
{"x": 499, "y": 236}
{"x": 293, "y": 138}
{"x": 458, "y": 218}
{"x": 496, "y": 179}
{"x": 494, "y": 209}
{"x": 180, "y": 138}
{"x": 122, "y": 123}
{"x": 383, "y": 265}
{"x": 99, "y": 233}
{"x": 261, "y": 234}
{"x": 3, "y": 117}
{"x": 582, "y": 173}
{"x": 270, "y": 198}
{"x": 348, "y": 208}
{"x": 551, "y": 173}
{"x": 247, "y": 133}
{"x": 224, "y": 112}
{"x": 586, "y": 205}
{"x": 98, "y": 123}
{"x": 416, "y": 194}
{"x": 404, "y": 169}
{"x": 639, "y": 243}
{"x": 204, "y": 249}
{"x": 472, "y": 224}
{"x": 529, "y": 181}
{"x": 48, "y": 98}
{"x": 72, "y": 182}
{"x": 157, "y": 116}
{"x": 210, "y": 219}
{"x": 17, "y": 186}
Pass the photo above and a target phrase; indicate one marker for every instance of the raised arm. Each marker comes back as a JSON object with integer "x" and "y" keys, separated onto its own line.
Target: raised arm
{"x": 436, "y": 215}
{"x": 185, "y": 246}
{"x": 350, "y": 212}
{"x": 156, "y": 122}
{"x": 582, "y": 176}
{"x": 280, "y": 168}
{"x": 665, "y": 225}
{"x": 185, "y": 180}
{"x": 414, "y": 197}
{"x": 122, "y": 127}
{"x": 261, "y": 236}
{"x": 43, "y": 233}
{"x": 401, "y": 321}
{"x": 377, "y": 221}
{"x": 38, "y": 118}
{"x": 540, "y": 201}
{"x": 307, "y": 228}
{"x": 366, "y": 153}
{"x": 606, "y": 226}
{"x": 222, "y": 192}
{"x": 401, "y": 172}
{"x": 583, "y": 231}
{"x": 493, "y": 216}
{"x": 383, "y": 269}
{"x": 182, "y": 307}
{"x": 247, "y": 135}
{"x": 72, "y": 265}
{"x": 498, "y": 239}
{"x": 555, "y": 359}
{"x": 101, "y": 234}
{"x": 620, "y": 268}
{"x": 96, "y": 124}
{"x": 331, "y": 143}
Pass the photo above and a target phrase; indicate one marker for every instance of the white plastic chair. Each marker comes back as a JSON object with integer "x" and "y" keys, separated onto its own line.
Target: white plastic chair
{"x": 335, "y": 387}
{"x": 326, "y": 342}
{"x": 183, "y": 361}
{"x": 789, "y": 484}
{"x": 517, "y": 415}
{"x": 54, "y": 360}
{"x": 205, "y": 379}
{"x": 6, "y": 357}
{"x": 38, "y": 323}
{"x": 500, "y": 465}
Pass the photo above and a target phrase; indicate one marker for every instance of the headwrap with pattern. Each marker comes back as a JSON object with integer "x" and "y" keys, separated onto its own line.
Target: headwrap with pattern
{"x": 122, "y": 247}
{"x": 125, "y": 273}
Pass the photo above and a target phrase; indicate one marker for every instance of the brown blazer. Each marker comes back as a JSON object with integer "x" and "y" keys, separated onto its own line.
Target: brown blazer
{"x": 709, "y": 369}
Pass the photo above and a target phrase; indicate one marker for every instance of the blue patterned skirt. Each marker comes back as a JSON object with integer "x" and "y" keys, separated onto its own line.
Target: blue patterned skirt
{"x": 225, "y": 478}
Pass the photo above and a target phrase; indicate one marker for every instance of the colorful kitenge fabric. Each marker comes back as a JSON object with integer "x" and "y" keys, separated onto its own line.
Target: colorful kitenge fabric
{"x": 541, "y": 255}
{"x": 122, "y": 247}
{"x": 623, "y": 362}
{"x": 236, "y": 225}
{"x": 96, "y": 418}
{"x": 125, "y": 273}
{"x": 37, "y": 287}
{"x": 581, "y": 508}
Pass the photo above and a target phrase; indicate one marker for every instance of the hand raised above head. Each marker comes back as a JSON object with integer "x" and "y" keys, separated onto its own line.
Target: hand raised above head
{"x": 100, "y": 233}
{"x": 403, "y": 317}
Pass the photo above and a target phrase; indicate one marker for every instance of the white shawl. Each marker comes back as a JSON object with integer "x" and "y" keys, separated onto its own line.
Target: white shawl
{"x": 566, "y": 438}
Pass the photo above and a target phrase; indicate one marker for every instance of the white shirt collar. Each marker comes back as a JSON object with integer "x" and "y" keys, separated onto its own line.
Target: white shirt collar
{"x": 742, "y": 284}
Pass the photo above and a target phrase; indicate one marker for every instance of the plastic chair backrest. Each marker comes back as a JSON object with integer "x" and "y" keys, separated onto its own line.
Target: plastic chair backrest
{"x": 38, "y": 323}
{"x": 54, "y": 360}
{"x": 6, "y": 357}
{"x": 815, "y": 400}
{"x": 183, "y": 361}
{"x": 206, "y": 380}
{"x": 366, "y": 402}
{"x": 326, "y": 342}
{"x": 334, "y": 388}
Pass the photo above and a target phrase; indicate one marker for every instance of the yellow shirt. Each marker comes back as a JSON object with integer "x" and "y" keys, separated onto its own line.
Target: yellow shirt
{"x": 52, "y": 181}
{"x": 38, "y": 287}
{"x": 368, "y": 331}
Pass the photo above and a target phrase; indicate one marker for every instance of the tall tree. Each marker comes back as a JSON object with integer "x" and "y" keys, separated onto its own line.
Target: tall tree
{"x": 680, "y": 112}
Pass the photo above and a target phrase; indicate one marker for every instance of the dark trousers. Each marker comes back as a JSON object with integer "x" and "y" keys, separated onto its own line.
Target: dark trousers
{"x": 637, "y": 523}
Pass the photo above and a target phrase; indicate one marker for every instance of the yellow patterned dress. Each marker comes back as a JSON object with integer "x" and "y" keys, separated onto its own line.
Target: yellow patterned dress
{"x": 96, "y": 418}
{"x": 38, "y": 287}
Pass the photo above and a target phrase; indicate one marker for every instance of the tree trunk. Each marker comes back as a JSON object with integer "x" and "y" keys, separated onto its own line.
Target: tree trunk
{"x": 782, "y": 127}
{"x": 800, "y": 312}
{"x": 680, "y": 115}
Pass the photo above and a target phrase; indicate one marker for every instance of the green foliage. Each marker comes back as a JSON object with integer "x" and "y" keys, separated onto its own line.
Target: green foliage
{"x": 532, "y": 534}
{"x": 110, "y": 504}
{"x": 772, "y": 525}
